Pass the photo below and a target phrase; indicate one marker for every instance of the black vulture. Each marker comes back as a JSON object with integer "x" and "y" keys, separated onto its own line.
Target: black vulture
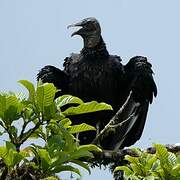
{"x": 94, "y": 74}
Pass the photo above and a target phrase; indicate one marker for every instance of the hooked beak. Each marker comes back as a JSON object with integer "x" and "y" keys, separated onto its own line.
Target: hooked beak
{"x": 74, "y": 25}
{"x": 80, "y": 24}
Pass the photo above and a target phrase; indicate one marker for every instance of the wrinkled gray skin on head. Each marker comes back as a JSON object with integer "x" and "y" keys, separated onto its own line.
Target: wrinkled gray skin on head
{"x": 90, "y": 31}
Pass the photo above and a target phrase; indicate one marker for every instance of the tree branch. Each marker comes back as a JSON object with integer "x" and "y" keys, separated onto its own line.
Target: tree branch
{"x": 25, "y": 135}
{"x": 109, "y": 156}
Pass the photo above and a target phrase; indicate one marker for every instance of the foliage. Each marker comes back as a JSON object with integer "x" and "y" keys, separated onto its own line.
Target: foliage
{"x": 40, "y": 116}
{"x": 162, "y": 165}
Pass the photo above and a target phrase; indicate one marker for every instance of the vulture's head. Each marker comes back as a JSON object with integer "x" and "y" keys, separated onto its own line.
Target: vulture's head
{"x": 90, "y": 31}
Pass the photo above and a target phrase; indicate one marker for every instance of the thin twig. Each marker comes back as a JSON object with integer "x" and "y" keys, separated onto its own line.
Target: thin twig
{"x": 118, "y": 119}
{"x": 27, "y": 134}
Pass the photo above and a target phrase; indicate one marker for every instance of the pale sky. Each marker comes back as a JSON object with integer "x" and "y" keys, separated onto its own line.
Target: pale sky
{"x": 33, "y": 33}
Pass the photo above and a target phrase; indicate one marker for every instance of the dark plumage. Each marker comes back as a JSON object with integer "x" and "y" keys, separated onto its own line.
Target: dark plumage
{"x": 94, "y": 74}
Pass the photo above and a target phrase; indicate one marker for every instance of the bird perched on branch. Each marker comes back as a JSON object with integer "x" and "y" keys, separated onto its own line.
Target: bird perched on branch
{"x": 94, "y": 74}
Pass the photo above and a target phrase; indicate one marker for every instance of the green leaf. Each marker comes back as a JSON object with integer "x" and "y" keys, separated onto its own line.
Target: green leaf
{"x": 17, "y": 157}
{"x": 178, "y": 159}
{"x": 81, "y": 128}
{"x": 161, "y": 152}
{"x": 61, "y": 157}
{"x": 1, "y": 133}
{"x": 3, "y": 152}
{"x": 88, "y": 107}
{"x": 136, "y": 168}
{"x": 49, "y": 111}
{"x": 24, "y": 153}
{"x": 61, "y": 168}
{"x": 89, "y": 147}
{"x": 10, "y": 156}
{"x": 10, "y": 145}
{"x": 30, "y": 87}
{"x": 151, "y": 159}
{"x": 176, "y": 170}
{"x": 58, "y": 116}
{"x": 68, "y": 137}
{"x": 80, "y": 153}
{"x": 123, "y": 168}
{"x": 127, "y": 171}
{"x": 82, "y": 164}
{"x": 51, "y": 178}
{"x": 45, "y": 159}
{"x": 134, "y": 177}
{"x": 67, "y": 99}
{"x": 149, "y": 178}
{"x": 28, "y": 113}
{"x": 7, "y": 100}
{"x": 135, "y": 164}
{"x": 55, "y": 142}
{"x": 66, "y": 122}
{"x": 163, "y": 155}
{"x": 45, "y": 95}
{"x": 131, "y": 159}
{"x": 155, "y": 165}
{"x": 84, "y": 151}
{"x": 10, "y": 108}
{"x": 172, "y": 158}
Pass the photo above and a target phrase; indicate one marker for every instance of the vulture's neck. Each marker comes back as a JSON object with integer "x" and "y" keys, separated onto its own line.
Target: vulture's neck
{"x": 97, "y": 52}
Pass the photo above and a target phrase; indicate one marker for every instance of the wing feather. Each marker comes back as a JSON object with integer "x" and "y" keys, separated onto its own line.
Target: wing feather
{"x": 139, "y": 75}
{"x": 51, "y": 74}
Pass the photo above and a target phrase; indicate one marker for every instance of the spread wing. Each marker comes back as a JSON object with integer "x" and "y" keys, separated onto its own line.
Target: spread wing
{"x": 138, "y": 79}
{"x": 59, "y": 78}
{"x": 139, "y": 75}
